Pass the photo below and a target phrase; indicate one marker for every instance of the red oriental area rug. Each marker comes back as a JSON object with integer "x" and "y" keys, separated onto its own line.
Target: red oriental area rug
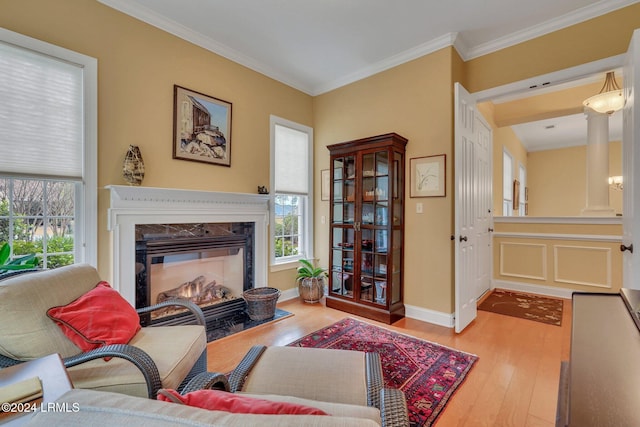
{"x": 428, "y": 373}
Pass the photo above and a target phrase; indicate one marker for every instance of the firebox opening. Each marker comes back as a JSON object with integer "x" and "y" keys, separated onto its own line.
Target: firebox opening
{"x": 205, "y": 278}
{"x": 210, "y": 264}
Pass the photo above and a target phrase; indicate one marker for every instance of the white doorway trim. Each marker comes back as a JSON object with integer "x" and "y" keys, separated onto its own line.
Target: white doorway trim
{"x": 551, "y": 81}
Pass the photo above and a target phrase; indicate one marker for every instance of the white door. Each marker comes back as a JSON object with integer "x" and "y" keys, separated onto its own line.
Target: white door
{"x": 483, "y": 204}
{"x": 631, "y": 158}
{"x": 473, "y": 218}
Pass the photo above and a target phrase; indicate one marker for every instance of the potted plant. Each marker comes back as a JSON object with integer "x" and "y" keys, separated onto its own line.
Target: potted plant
{"x": 26, "y": 262}
{"x": 310, "y": 281}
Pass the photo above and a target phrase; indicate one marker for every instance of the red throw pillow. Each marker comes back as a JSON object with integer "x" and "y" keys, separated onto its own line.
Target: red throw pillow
{"x": 97, "y": 318}
{"x": 218, "y": 400}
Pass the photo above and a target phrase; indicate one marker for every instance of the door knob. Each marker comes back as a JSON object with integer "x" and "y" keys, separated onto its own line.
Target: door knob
{"x": 490, "y": 230}
{"x": 463, "y": 238}
{"x": 626, "y": 248}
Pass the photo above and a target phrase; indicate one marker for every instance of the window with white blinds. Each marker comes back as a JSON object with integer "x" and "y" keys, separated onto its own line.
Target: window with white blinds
{"x": 292, "y": 184}
{"x": 291, "y": 160}
{"x": 41, "y": 114}
{"x": 48, "y": 151}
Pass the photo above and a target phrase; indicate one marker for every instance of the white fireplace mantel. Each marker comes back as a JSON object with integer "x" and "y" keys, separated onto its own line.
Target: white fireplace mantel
{"x": 131, "y": 206}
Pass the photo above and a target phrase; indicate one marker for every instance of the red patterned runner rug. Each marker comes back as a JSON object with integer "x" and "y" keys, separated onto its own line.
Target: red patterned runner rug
{"x": 428, "y": 373}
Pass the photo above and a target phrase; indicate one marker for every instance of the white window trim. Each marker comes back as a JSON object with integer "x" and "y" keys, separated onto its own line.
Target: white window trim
{"x": 290, "y": 262}
{"x": 86, "y": 237}
{"x": 509, "y": 212}
{"x": 522, "y": 176}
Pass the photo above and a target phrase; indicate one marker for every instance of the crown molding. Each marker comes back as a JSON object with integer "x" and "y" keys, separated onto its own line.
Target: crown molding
{"x": 150, "y": 17}
{"x": 393, "y": 61}
{"x": 451, "y": 39}
{"x": 572, "y": 18}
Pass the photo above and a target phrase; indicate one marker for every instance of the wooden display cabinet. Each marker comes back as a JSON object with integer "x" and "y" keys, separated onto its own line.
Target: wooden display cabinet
{"x": 367, "y": 227}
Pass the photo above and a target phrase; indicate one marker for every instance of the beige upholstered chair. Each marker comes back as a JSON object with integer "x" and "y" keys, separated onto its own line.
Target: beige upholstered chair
{"x": 346, "y": 377}
{"x": 156, "y": 357}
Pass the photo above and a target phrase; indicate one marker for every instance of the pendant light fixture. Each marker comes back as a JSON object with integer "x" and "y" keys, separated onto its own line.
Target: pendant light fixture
{"x": 610, "y": 98}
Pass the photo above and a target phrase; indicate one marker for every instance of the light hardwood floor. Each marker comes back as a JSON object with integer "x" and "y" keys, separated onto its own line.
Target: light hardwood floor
{"x": 514, "y": 382}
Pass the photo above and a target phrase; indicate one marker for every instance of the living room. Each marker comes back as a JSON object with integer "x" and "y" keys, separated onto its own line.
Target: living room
{"x": 140, "y": 62}
{"x": 138, "y": 66}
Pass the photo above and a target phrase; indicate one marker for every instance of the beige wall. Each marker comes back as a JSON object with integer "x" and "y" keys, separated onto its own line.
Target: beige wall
{"x": 137, "y": 68}
{"x": 615, "y": 168}
{"x": 557, "y": 180}
{"x": 415, "y": 101}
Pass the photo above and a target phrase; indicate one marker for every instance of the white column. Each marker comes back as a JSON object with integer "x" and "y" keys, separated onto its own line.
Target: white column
{"x": 597, "y": 165}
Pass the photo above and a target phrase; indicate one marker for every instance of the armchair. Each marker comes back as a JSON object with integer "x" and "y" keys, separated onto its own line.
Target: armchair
{"x": 156, "y": 357}
{"x": 324, "y": 375}
{"x": 349, "y": 398}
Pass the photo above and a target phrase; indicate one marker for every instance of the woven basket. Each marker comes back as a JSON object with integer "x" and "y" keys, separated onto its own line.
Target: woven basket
{"x": 261, "y": 302}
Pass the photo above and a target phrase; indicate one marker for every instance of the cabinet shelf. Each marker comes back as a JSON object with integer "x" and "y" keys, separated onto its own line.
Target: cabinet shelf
{"x": 367, "y": 227}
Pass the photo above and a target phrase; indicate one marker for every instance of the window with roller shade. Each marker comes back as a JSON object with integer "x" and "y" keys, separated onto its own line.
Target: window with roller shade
{"x": 48, "y": 145}
{"x": 292, "y": 191}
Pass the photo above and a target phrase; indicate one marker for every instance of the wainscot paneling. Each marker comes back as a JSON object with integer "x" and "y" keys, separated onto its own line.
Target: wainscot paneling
{"x": 523, "y": 260}
{"x": 558, "y": 255}
{"x": 582, "y": 265}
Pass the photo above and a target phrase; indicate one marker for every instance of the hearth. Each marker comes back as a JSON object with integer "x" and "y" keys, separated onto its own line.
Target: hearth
{"x": 210, "y": 264}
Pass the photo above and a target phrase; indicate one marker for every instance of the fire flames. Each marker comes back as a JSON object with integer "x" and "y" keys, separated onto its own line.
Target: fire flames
{"x": 199, "y": 291}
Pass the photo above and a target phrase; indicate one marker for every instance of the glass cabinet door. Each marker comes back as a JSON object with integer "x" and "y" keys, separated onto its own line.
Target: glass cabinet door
{"x": 366, "y": 265}
{"x": 343, "y": 234}
{"x": 374, "y": 224}
{"x": 344, "y": 190}
{"x": 342, "y": 261}
{"x": 396, "y": 221}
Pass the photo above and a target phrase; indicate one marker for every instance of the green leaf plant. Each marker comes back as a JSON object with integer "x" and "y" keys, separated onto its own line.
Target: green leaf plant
{"x": 307, "y": 270}
{"x": 24, "y": 262}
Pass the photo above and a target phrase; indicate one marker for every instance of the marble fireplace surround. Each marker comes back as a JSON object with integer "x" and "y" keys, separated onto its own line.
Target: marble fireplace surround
{"x": 131, "y": 206}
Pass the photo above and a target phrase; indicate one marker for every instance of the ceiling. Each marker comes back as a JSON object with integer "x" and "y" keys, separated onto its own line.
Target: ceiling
{"x": 562, "y": 132}
{"x": 317, "y": 46}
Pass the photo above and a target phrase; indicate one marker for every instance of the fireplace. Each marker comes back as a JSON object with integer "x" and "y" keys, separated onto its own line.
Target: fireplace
{"x": 148, "y": 214}
{"x": 209, "y": 264}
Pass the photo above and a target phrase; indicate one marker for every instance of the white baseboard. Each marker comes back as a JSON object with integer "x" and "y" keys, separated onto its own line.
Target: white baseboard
{"x": 533, "y": 289}
{"x": 289, "y": 294}
{"x": 429, "y": 316}
{"x": 412, "y": 312}
{"x": 447, "y": 319}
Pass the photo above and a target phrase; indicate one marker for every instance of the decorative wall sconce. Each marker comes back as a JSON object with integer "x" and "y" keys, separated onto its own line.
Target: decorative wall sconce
{"x": 615, "y": 182}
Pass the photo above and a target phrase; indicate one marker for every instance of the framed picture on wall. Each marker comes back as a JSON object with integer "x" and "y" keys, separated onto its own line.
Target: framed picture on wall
{"x": 428, "y": 176}
{"x": 201, "y": 127}
{"x": 325, "y": 182}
